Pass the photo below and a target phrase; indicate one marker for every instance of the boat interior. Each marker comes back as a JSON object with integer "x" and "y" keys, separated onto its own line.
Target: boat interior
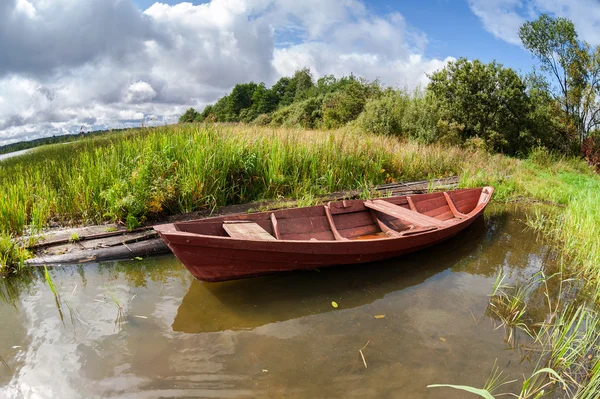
{"x": 349, "y": 219}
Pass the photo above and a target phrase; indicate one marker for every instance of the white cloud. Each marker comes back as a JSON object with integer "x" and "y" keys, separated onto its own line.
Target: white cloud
{"x": 500, "y": 17}
{"x": 140, "y": 92}
{"x": 503, "y": 18}
{"x": 25, "y": 7}
{"x": 105, "y": 63}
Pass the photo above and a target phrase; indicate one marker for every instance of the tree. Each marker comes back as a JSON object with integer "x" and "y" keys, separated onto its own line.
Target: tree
{"x": 304, "y": 84}
{"x": 344, "y": 105}
{"x": 189, "y": 116}
{"x": 264, "y": 100}
{"x": 572, "y": 63}
{"x": 285, "y": 90}
{"x": 484, "y": 101}
{"x": 240, "y": 98}
{"x": 204, "y": 114}
{"x": 220, "y": 110}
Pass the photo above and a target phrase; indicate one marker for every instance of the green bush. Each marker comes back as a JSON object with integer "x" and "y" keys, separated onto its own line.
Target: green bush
{"x": 189, "y": 116}
{"x": 384, "y": 115}
{"x": 343, "y": 106}
{"x": 489, "y": 100}
{"x": 263, "y": 120}
{"x": 400, "y": 113}
{"x": 307, "y": 114}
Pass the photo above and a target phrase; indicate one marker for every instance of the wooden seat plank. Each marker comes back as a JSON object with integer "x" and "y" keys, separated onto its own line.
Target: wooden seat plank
{"x": 416, "y": 218}
{"x": 247, "y": 231}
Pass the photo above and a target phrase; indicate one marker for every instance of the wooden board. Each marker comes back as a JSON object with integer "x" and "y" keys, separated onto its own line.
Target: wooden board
{"x": 247, "y": 231}
{"x": 402, "y": 213}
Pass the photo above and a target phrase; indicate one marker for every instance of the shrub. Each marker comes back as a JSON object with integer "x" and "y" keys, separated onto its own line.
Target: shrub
{"x": 383, "y": 115}
{"x": 306, "y": 114}
{"x": 263, "y": 120}
{"x": 398, "y": 112}
{"x": 189, "y": 116}
{"x": 489, "y": 100}
{"x": 590, "y": 149}
{"x": 341, "y": 107}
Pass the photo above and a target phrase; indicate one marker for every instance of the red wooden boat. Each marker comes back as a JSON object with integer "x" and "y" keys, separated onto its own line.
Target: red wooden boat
{"x": 341, "y": 232}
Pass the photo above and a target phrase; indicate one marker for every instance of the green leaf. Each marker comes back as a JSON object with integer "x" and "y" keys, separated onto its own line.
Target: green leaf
{"x": 481, "y": 392}
{"x": 551, "y": 372}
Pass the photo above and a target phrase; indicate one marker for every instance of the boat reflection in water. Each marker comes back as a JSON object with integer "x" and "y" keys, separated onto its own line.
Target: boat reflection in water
{"x": 250, "y": 303}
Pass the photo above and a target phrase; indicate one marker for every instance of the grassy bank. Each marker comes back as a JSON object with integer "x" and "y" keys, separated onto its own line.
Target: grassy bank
{"x": 140, "y": 175}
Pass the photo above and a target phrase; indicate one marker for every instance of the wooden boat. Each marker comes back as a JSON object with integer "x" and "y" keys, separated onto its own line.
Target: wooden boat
{"x": 342, "y": 232}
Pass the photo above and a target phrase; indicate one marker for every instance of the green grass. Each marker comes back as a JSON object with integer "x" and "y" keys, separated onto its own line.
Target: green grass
{"x": 12, "y": 255}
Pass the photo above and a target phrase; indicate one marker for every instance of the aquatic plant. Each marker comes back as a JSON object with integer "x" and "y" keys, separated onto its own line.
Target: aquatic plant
{"x": 565, "y": 344}
{"x": 55, "y": 292}
{"x": 12, "y": 255}
{"x": 508, "y": 305}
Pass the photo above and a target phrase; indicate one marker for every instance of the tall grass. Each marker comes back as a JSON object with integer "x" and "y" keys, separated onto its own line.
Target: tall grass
{"x": 167, "y": 170}
{"x": 139, "y": 175}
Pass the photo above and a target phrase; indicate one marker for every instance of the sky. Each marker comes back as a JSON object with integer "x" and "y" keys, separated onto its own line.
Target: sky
{"x": 73, "y": 65}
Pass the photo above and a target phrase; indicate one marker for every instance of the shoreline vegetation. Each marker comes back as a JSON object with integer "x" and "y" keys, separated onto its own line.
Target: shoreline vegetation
{"x": 144, "y": 174}
{"x": 301, "y": 139}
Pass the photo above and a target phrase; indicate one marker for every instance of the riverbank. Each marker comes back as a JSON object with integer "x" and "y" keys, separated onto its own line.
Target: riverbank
{"x": 137, "y": 176}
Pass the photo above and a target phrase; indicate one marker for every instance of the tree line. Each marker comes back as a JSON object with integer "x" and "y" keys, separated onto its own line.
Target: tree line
{"x": 468, "y": 102}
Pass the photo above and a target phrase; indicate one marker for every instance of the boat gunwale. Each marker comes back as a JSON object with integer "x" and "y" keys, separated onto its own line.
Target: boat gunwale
{"x": 169, "y": 229}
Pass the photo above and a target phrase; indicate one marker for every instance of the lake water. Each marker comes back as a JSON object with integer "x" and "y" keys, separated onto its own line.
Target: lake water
{"x": 13, "y": 154}
{"x": 147, "y": 329}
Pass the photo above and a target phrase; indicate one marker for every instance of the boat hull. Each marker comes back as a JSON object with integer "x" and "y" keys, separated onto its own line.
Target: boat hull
{"x": 218, "y": 258}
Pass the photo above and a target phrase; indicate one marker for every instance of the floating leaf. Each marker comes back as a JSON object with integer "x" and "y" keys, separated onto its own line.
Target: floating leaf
{"x": 442, "y": 339}
{"x": 334, "y": 304}
{"x": 379, "y": 316}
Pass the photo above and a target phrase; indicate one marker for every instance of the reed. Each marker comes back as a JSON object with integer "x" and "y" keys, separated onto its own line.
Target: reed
{"x": 12, "y": 255}
{"x": 145, "y": 173}
{"x": 508, "y": 305}
{"x": 565, "y": 342}
{"x": 55, "y": 292}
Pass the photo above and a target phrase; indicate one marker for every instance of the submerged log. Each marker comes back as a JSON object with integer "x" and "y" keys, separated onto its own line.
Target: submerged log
{"x": 154, "y": 246}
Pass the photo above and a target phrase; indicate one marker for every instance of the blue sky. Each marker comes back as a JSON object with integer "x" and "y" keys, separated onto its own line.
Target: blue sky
{"x": 98, "y": 64}
{"x": 454, "y": 30}
{"x": 450, "y": 25}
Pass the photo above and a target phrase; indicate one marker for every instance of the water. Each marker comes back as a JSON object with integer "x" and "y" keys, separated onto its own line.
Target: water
{"x": 274, "y": 336}
{"x": 13, "y": 154}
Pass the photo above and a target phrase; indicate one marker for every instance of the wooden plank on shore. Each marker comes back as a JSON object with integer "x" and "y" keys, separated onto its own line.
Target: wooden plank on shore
{"x": 399, "y": 189}
{"x": 78, "y": 234}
